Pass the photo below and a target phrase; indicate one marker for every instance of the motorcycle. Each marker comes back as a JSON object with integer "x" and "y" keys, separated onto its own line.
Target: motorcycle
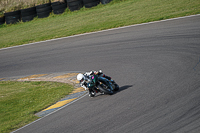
{"x": 99, "y": 84}
{"x": 102, "y": 84}
{"x": 114, "y": 85}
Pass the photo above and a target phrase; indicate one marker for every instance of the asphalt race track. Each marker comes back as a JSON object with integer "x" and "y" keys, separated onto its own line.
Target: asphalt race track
{"x": 157, "y": 66}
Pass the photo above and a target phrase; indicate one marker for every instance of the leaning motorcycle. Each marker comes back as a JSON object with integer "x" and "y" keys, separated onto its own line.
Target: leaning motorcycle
{"x": 99, "y": 84}
{"x": 114, "y": 85}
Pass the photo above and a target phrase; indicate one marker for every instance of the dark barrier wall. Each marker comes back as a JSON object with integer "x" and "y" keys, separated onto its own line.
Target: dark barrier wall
{"x": 44, "y": 10}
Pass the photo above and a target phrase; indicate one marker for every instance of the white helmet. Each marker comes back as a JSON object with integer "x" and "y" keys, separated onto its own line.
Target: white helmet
{"x": 80, "y": 76}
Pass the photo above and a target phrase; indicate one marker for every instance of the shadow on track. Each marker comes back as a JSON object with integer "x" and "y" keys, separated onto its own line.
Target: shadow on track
{"x": 122, "y": 88}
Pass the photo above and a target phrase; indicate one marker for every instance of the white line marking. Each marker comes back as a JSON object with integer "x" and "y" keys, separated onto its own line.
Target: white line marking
{"x": 101, "y": 31}
{"x": 50, "y": 113}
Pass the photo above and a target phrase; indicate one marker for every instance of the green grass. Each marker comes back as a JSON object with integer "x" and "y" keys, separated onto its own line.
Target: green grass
{"x": 115, "y": 14}
{"x": 19, "y": 101}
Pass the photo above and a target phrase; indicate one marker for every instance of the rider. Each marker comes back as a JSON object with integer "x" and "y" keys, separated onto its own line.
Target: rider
{"x": 86, "y": 78}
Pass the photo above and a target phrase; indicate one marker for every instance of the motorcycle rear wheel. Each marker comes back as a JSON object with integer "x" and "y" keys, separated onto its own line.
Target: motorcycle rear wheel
{"x": 106, "y": 91}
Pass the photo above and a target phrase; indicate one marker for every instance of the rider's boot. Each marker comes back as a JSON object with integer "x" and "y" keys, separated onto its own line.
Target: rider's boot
{"x": 92, "y": 93}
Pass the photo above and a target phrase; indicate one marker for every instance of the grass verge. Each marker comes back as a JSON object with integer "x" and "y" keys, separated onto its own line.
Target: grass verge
{"x": 19, "y": 101}
{"x": 115, "y": 14}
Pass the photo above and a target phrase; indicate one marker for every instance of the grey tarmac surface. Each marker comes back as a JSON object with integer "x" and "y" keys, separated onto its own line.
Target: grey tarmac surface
{"x": 157, "y": 67}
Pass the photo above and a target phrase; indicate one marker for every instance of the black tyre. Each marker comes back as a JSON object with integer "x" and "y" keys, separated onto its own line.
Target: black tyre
{"x": 73, "y": 8}
{"x": 43, "y": 5}
{"x": 45, "y": 9}
{"x": 57, "y": 7}
{"x": 88, "y": 1}
{"x": 90, "y": 5}
{"x": 57, "y": 3}
{"x": 68, "y": 1}
{"x": 28, "y": 18}
{"x": 75, "y": 3}
{"x": 2, "y": 20}
{"x": 31, "y": 9}
{"x": 12, "y": 19}
{"x": 12, "y": 13}
{"x": 28, "y": 13}
{"x": 106, "y": 91}
{"x": 43, "y": 14}
{"x": 60, "y": 11}
{"x": 105, "y": 1}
